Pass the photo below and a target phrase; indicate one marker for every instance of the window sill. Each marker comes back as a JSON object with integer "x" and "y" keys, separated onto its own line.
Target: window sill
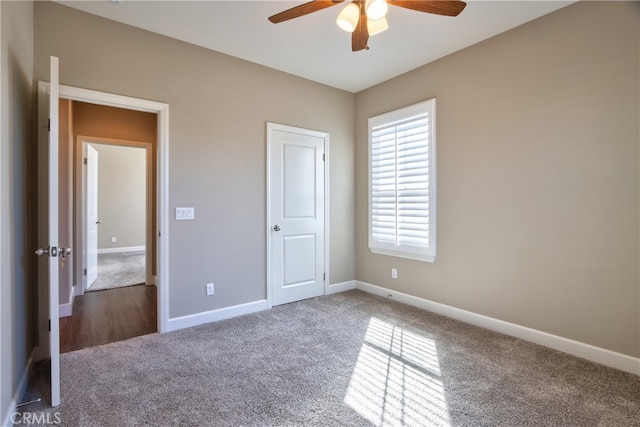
{"x": 402, "y": 254}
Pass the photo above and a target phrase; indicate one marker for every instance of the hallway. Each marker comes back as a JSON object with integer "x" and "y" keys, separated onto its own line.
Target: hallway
{"x": 107, "y": 316}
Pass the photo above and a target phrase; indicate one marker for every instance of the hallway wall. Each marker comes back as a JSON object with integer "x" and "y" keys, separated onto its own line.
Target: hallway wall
{"x": 122, "y": 198}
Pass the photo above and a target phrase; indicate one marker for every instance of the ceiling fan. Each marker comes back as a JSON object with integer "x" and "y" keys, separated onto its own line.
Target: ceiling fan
{"x": 364, "y": 18}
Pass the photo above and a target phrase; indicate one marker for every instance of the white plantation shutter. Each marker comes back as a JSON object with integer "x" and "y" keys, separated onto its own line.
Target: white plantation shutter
{"x": 402, "y": 182}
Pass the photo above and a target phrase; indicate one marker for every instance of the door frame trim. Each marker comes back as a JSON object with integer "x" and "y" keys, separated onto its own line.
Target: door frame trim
{"x": 162, "y": 177}
{"x": 271, "y": 126}
{"x": 82, "y": 141}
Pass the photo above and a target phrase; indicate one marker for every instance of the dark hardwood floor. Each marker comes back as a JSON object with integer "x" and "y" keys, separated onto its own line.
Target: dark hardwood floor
{"x": 102, "y": 317}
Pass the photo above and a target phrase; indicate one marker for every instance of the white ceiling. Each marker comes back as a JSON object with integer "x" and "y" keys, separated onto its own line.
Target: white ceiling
{"x": 313, "y": 46}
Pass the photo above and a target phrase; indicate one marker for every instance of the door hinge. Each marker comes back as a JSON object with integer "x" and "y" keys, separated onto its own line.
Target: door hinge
{"x": 324, "y": 276}
{"x": 85, "y": 161}
{"x": 49, "y": 325}
{"x": 84, "y": 271}
{"x": 49, "y": 125}
{"x": 323, "y": 157}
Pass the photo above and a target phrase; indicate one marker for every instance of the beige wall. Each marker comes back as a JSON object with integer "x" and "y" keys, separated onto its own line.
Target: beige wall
{"x": 219, "y": 107}
{"x": 538, "y": 186}
{"x": 115, "y": 123}
{"x": 121, "y": 196}
{"x": 18, "y": 309}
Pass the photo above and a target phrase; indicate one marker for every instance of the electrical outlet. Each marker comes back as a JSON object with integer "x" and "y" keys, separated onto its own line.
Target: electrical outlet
{"x": 394, "y": 273}
{"x": 210, "y": 290}
{"x": 113, "y": 239}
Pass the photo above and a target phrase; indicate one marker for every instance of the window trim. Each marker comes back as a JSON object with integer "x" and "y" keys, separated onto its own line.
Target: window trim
{"x": 404, "y": 251}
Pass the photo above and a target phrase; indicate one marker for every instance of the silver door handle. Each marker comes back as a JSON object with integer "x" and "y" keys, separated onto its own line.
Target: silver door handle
{"x": 276, "y": 228}
{"x": 64, "y": 252}
{"x": 98, "y": 222}
{"x": 52, "y": 251}
{"x": 41, "y": 251}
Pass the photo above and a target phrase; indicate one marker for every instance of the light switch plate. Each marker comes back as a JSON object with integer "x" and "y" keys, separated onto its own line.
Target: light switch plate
{"x": 185, "y": 213}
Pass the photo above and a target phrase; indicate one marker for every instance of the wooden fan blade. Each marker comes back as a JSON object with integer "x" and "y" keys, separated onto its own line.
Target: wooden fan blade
{"x": 360, "y": 37}
{"x": 303, "y": 9}
{"x": 439, "y": 7}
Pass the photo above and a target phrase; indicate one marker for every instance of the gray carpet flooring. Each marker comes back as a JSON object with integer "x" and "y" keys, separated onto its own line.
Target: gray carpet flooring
{"x": 119, "y": 270}
{"x": 349, "y": 359}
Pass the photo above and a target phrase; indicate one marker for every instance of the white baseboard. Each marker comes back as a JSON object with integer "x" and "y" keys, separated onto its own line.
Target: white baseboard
{"x": 215, "y": 315}
{"x": 66, "y": 309}
{"x": 20, "y": 390}
{"x": 340, "y": 287}
{"x": 77, "y": 290}
{"x": 575, "y": 348}
{"x": 239, "y": 310}
{"x": 121, "y": 250}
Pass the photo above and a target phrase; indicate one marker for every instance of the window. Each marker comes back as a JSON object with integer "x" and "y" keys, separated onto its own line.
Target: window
{"x": 402, "y": 182}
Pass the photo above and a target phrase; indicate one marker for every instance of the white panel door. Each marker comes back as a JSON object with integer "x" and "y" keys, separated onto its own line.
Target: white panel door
{"x": 92, "y": 215}
{"x": 48, "y": 268}
{"x": 297, "y": 222}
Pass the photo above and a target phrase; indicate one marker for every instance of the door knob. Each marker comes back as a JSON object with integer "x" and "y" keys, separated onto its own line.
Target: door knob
{"x": 41, "y": 251}
{"x": 52, "y": 251}
{"x": 98, "y": 222}
{"x": 64, "y": 252}
{"x": 276, "y": 227}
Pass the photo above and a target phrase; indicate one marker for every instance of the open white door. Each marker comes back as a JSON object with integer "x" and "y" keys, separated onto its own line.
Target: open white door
{"x": 49, "y": 252}
{"x": 296, "y": 213}
{"x": 92, "y": 215}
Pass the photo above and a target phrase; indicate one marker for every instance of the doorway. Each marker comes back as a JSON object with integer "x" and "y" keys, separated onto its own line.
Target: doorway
{"x": 113, "y": 221}
{"x": 117, "y": 210}
{"x": 157, "y": 237}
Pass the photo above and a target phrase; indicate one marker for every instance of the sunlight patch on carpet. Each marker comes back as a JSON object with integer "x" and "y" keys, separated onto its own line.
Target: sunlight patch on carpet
{"x": 397, "y": 379}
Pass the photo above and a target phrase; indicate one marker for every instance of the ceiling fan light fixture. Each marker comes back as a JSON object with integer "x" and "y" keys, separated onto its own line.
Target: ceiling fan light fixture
{"x": 348, "y": 18}
{"x": 376, "y": 9}
{"x": 364, "y": 18}
{"x": 376, "y": 27}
